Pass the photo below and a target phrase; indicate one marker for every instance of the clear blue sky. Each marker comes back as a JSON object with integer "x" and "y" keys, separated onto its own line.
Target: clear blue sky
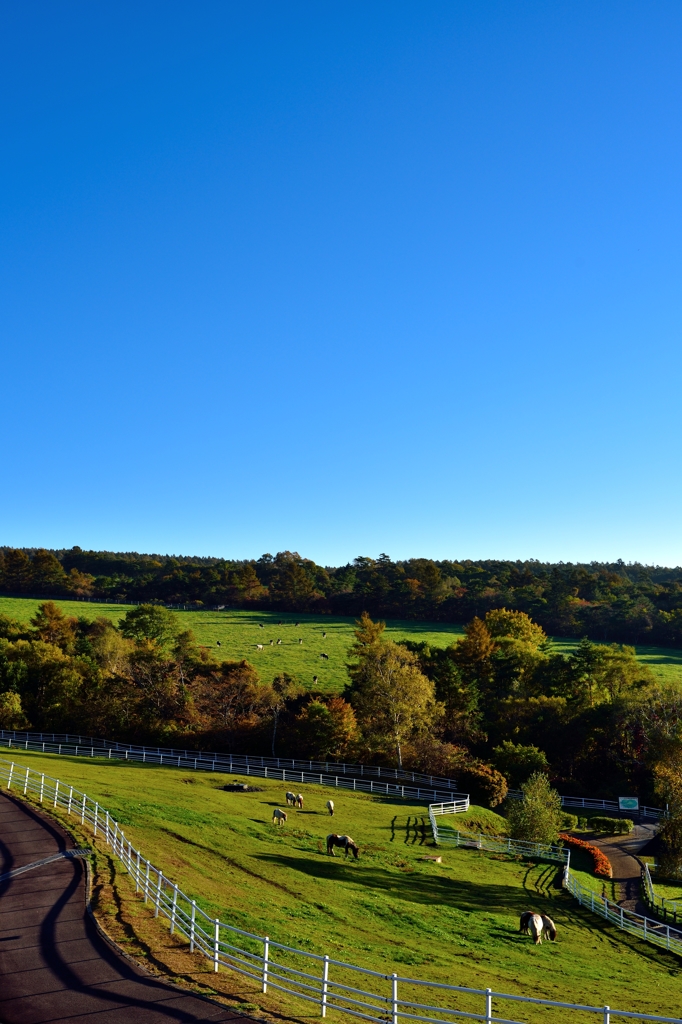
{"x": 342, "y": 278}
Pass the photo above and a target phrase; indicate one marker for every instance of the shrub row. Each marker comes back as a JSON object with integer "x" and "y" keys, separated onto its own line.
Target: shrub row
{"x": 615, "y": 826}
{"x": 602, "y": 864}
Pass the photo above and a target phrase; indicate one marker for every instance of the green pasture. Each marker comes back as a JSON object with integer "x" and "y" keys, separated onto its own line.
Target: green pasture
{"x": 454, "y": 922}
{"x": 239, "y": 632}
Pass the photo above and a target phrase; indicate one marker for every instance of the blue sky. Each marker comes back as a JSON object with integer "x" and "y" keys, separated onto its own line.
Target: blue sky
{"x": 342, "y": 278}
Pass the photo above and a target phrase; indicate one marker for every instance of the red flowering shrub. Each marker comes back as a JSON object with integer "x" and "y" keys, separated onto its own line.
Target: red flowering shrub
{"x": 602, "y": 864}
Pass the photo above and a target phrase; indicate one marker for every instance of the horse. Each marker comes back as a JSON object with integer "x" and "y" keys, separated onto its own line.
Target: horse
{"x": 299, "y": 800}
{"x": 330, "y": 807}
{"x": 278, "y": 816}
{"x": 345, "y": 842}
{"x": 536, "y": 927}
{"x": 524, "y": 922}
{"x": 549, "y": 928}
{"x": 291, "y": 799}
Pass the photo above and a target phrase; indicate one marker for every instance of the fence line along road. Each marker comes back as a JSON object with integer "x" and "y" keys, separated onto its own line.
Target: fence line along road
{"x": 646, "y": 928}
{"x": 666, "y": 907}
{"x": 320, "y": 980}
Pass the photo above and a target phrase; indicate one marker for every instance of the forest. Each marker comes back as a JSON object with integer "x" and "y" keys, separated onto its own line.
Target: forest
{"x": 633, "y": 604}
{"x": 488, "y": 710}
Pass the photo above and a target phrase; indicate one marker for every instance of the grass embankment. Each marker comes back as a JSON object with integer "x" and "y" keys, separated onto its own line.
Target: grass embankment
{"x": 239, "y": 632}
{"x": 454, "y": 922}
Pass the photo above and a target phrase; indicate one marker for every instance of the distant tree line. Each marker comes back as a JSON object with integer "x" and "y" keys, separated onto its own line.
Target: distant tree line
{"x": 608, "y": 602}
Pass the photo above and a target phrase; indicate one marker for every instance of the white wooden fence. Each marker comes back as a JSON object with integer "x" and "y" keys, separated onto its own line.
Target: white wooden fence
{"x": 322, "y": 980}
{"x": 283, "y": 769}
{"x": 667, "y": 907}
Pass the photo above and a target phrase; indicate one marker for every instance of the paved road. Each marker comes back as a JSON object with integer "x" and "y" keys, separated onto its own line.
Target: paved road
{"x": 54, "y": 965}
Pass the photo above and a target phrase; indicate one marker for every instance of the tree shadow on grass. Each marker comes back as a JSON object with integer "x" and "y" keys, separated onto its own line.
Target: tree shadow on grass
{"x": 416, "y": 888}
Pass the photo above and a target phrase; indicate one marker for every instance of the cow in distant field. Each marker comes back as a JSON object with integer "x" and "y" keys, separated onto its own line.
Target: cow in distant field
{"x": 325, "y": 656}
{"x": 259, "y": 647}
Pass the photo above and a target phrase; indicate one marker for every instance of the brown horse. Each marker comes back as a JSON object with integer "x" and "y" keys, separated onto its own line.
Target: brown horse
{"x": 345, "y": 842}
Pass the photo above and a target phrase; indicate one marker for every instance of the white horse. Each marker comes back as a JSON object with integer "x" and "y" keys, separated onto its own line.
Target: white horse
{"x": 536, "y": 927}
{"x": 278, "y": 816}
{"x": 291, "y": 799}
{"x": 330, "y": 807}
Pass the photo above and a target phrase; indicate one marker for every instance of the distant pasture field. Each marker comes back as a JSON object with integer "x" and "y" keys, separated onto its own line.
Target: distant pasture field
{"x": 454, "y": 922}
{"x": 239, "y": 632}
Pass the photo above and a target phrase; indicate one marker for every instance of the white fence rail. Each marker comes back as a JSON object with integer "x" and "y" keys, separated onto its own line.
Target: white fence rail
{"x": 325, "y": 982}
{"x": 360, "y": 771}
{"x": 668, "y": 908}
{"x": 590, "y": 803}
{"x": 193, "y": 760}
{"x": 493, "y": 844}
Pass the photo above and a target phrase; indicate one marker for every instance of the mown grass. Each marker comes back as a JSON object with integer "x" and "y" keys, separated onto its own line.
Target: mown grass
{"x": 239, "y": 632}
{"x": 454, "y": 922}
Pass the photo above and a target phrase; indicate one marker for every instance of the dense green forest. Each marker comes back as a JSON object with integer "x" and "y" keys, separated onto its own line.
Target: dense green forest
{"x": 613, "y": 602}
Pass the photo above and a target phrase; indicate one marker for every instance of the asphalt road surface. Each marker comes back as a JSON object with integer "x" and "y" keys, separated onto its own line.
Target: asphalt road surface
{"x": 54, "y": 965}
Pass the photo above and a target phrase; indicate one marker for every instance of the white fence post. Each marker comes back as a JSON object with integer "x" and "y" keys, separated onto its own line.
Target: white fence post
{"x": 174, "y": 908}
{"x": 68, "y": 809}
{"x": 96, "y": 813}
{"x": 146, "y": 881}
{"x": 42, "y": 786}
{"x": 56, "y": 793}
{"x": 9, "y": 780}
{"x": 325, "y": 985}
{"x": 26, "y": 781}
{"x": 266, "y": 959}
{"x": 607, "y": 1015}
{"x": 157, "y": 901}
{"x": 137, "y": 872}
{"x": 488, "y": 1005}
{"x": 191, "y": 926}
{"x": 216, "y": 945}
{"x": 394, "y": 998}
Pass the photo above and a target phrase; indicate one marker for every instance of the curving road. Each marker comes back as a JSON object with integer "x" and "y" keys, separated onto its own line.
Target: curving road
{"x": 54, "y": 965}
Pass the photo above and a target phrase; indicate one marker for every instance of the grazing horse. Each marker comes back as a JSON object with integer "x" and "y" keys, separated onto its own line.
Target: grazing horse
{"x": 524, "y": 922}
{"x": 536, "y": 928}
{"x": 325, "y": 656}
{"x": 345, "y": 842}
{"x": 291, "y": 799}
{"x": 549, "y": 928}
{"x": 330, "y": 807}
{"x": 299, "y": 800}
{"x": 259, "y": 647}
{"x": 278, "y": 816}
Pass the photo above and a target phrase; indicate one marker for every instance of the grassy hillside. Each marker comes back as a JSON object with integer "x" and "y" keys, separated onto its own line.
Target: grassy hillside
{"x": 239, "y": 632}
{"x": 453, "y": 922}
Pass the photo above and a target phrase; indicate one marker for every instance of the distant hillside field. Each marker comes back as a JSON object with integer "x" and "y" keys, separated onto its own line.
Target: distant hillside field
{"x": 239, "y": 632}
